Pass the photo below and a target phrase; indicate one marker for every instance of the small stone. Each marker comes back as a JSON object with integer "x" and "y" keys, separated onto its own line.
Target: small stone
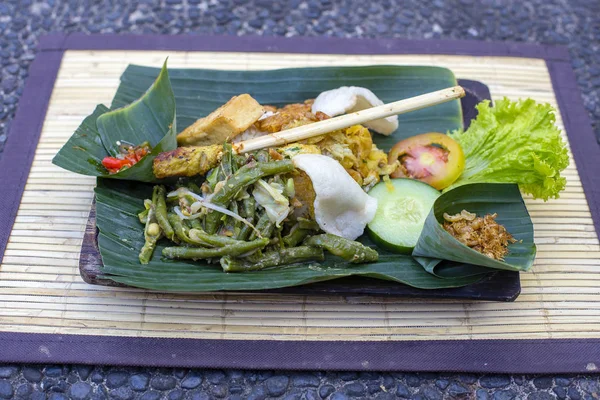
{"x": 9, "y": 84}
{"x": 505, "y": 394}
{"x": 388, "y": 382}
{"x": 589, "y": 386}
{"x": 311, "y": 394}
{"x": 32, "y": 374}
{"x": 540, "y": 396}
{"x": 56, "y": 386}
{"x": 116, "y": 379}
{"x": 543, "y": 382}
{"x": 574, "y": 393}
{"x": 338, "y": 396}
{"x": 24, "y": 390}
{"x": 457, "y": 390}
{"x": 384, "y": 396}
{"x": 481, "y": 394}
{"x": 6, "y": 389}
{"x": 215, "y": 377}
{"x": 12, "y": 69}
{"x": 432, "y": 393}
{"x": 442, "y": 383}
{"x": 326, "y": 390}
{"x": 139, "y": 382}
{"x": 122, "y": 393}
{"x": 36, "y": 395}
{"x": 563, "y": 381}
{"x": 235, "y": 389}
{"x": 402, "y": 391}
{"x": 413, "y": 380}
{"x": 219, "y": 391}
{"x": 8, "y": 371}
{"x": 53, "y": 371}
{"x": 304, "y": 381}
{"x": 84, "y": 371}
{"x": 192, "y": 380}
{"x": 519, "y": 380}
{"x": 468, "y": 379}
{"x": 348, "y": 376}
{"x": 151, "y": 395}
{"x": 258, "y": 393}
{"x": 58, "y": 396}
{"x": 80, "y": 391}
{"x": 373, "y": 388}
{"x": 176, "y": 394}
{"x": 277, "y": 385}
{"x": 368, "y": 376}
{"x": 179, "y": 373}
{"x": 355, "y": 389}
{"x": 97, "y": 377}
{"x": 163, "y": 382}
{"x": 293, "y": 396}
{"x": 560, "y": 392}
{"x": 264, "y": 375}
{"x": 494, "y": 381}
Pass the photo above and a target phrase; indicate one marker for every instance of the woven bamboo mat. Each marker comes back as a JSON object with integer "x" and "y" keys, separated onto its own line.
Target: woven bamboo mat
{"x": 41, "y": 290}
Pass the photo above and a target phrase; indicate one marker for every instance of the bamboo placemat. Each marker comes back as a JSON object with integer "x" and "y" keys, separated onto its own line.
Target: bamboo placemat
{"x": 41, "y": 290}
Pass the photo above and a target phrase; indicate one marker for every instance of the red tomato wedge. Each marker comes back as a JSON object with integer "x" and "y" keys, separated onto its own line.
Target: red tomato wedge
{"x": 433, "y": 158}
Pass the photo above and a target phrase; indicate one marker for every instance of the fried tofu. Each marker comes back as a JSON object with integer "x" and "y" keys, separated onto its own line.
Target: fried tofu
{"x": 223, "y": 124}
{"x": 187, "y": 161}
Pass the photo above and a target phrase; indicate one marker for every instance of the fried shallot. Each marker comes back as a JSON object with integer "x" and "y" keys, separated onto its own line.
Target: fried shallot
{"x": 482, "y": 234}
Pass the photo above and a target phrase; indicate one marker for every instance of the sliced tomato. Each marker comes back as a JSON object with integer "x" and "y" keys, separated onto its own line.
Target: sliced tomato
{"x": 433, "y": 158}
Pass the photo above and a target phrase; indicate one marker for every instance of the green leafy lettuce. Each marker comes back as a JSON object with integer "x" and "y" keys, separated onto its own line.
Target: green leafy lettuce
{"x": 514, "y": 142}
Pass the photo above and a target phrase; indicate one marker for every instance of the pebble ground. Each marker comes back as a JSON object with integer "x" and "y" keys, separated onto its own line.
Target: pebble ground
{"x": 56, "y": 382}
{"x": 574, "y": 23}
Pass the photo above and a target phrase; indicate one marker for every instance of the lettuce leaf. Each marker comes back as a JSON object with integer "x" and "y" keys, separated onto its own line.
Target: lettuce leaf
{"x": 514, "y": 142}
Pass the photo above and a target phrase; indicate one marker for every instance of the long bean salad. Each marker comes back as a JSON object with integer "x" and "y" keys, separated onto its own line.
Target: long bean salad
{"x": 241, "y": 216}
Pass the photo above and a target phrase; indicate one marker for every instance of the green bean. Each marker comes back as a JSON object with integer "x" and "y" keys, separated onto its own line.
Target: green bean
{"x": 160, "y": 208}
{"x": 195, "y": 253}
{"x": 249, "y": 212}
{"x": 181, "y": 231}
{"x": 212, "y": 240}
{"x": 152, "y": 233}
{"x": 304, "y": 223}
{"x": 226, "y": 160}
{"x": 244, "y": 176}
{"x": 143, "y": 216}
{"x": 273, "y": 259}
{"x": 296, "y": 236}
{"x": 195, "y": 223}
{"x": 349, "y": 250}
{"x": 249, "y": 207}
{"x": 264, "y": 226}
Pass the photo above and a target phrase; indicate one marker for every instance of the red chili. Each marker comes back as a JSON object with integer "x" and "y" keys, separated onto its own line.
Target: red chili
{"x": 113, "y": 164}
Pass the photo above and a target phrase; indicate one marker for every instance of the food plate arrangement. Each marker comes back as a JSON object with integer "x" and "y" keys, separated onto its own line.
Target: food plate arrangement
{"x": 200, "y": 228}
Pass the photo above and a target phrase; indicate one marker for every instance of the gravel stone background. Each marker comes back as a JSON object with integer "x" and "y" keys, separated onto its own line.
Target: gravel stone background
{"x": 575, "y": 23}
{"x": 57, "y": 382}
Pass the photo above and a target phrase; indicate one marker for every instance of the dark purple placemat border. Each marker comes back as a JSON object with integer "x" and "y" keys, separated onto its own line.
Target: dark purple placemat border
{"x": 492, "y": 356}
{"x": 25, "y": 130}
{"x": 485, "y": 356}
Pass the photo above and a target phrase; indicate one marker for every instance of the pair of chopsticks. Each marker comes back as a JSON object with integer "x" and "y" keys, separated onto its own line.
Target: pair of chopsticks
{"x": 345, "y": 121}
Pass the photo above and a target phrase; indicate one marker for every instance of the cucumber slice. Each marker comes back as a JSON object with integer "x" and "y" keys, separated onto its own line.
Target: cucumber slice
{"x": 402, "y": 207}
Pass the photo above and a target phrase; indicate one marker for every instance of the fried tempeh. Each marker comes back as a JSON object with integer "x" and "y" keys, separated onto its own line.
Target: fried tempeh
{"x": 187, "y": 161}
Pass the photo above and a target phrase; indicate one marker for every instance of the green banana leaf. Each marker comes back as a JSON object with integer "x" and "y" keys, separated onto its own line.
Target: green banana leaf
{"x": 200, "y": 91}
{"x": 121, "y": 238}
{"x": 435, "y": 244}
{"x": 150, "y": 117}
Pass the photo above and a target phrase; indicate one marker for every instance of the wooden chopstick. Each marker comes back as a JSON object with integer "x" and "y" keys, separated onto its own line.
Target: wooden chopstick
{"x": 344, "y": 121}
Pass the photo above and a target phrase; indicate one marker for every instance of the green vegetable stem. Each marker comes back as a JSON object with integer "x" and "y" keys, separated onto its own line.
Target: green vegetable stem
{"x": 349, "y": 250}
{"x": 273, "y": 259}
